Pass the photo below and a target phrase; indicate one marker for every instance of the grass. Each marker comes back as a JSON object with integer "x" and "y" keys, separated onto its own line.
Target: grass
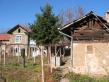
{"x": 56, "y": 75}
{"x": 85, "y": 78}
{"x": 15, "y": 72}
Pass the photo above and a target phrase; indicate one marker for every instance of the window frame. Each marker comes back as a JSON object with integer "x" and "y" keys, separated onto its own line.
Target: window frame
{"x": 90, "y": 49}
{"x": 18, "y": 38}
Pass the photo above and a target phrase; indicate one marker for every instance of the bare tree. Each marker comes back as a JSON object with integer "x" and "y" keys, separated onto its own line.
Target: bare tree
{"x": 80, "y": 12}
{"x": 61, "y": 17}
{"x": 66, "y": 16}
{"x": 71, "y": 14}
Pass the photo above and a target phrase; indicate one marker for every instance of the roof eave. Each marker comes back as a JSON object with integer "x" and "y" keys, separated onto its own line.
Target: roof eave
{"x": 68, "y": 25}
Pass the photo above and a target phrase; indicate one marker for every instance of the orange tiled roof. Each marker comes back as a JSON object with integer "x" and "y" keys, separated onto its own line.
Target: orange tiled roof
{"x": 5, "y": 36}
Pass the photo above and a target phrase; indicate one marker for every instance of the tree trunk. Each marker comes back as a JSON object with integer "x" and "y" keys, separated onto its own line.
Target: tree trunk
{"x": 48, "y": 57}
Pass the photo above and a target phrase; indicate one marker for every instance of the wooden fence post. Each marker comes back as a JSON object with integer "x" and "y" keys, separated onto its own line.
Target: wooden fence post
{"x": 42, "y": 64}
{"x": 4, "y": 54}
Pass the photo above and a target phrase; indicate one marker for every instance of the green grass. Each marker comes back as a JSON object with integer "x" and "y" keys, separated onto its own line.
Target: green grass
{"x": 15, "y": 72}
{"x": 85, "y": 78}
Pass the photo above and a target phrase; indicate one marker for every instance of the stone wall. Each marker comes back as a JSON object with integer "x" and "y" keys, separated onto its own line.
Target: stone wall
{"x": 91, "y": 60}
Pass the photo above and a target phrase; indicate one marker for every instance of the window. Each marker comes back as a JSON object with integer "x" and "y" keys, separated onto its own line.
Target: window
{"x": 89, "y": 49}
{"x": 17, "y": 50}
{"x": 18, "y": 30}
{"x": 18, "y": 38}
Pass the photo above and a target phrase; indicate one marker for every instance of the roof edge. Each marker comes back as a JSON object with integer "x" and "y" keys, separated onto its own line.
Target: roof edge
{"x": 18, "y": 25}
{"x": 69, "y": 24}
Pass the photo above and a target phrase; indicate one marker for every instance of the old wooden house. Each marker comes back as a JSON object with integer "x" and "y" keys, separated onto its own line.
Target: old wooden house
{"x": 89, "y": 43}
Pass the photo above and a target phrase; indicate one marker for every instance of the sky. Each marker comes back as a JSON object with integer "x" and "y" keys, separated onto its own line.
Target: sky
{"x": 13, "y": 12}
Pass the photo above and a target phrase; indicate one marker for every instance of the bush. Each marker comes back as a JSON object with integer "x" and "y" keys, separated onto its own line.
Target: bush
{"x": 56, "y": 75}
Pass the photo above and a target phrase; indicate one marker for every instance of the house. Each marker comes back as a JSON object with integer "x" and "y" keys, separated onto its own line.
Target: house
{"x": 34, "y": 50}
{"x": 5, "y": 39}
{"x": 89, "y": 43}
{"x": 20, "y": 39}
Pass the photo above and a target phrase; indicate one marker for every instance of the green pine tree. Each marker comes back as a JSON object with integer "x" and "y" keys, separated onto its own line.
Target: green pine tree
{"x": 45, "y": 30}
{"x": 45, "y": 27}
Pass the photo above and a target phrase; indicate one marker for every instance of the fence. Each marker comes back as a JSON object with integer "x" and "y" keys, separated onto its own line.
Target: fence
{"x": 11, "y": 61}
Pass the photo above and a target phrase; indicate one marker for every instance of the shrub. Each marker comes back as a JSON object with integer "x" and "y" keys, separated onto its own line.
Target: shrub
{"x": 56, "y": 75}
{"x": 79, "y": 78}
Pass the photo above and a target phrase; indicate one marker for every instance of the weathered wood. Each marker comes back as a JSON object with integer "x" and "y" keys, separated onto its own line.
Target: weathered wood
{"x": 4, "y": 54}
{"x": 91, "y": 30}
{"x": 42, "y": 64}
{"x": 72, "y": 55}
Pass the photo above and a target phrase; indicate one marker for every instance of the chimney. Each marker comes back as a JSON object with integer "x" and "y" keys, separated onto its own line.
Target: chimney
{"x": 107, "y": 16}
